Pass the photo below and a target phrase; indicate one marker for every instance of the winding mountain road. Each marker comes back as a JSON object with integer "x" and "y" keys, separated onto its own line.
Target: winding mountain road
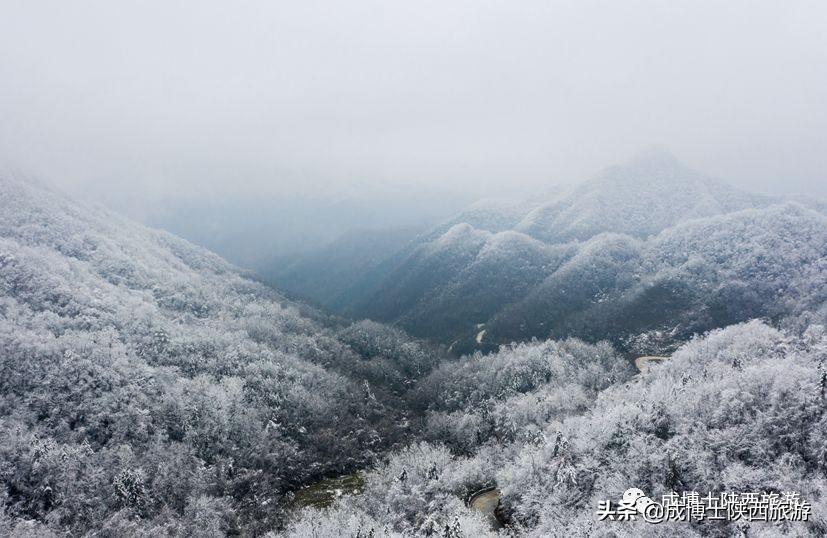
{"x": 486, "y": 502}
{"x": 642, "y": 363}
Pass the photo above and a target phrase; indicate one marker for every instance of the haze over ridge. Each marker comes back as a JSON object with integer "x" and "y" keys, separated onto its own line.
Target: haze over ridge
{"x": 270, "y": 99}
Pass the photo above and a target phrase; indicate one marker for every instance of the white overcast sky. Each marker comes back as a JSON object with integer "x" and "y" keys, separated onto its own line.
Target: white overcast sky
{"x": 168, "y": 96}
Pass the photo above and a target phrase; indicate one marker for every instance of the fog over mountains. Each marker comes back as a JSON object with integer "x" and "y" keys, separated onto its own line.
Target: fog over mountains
{"x": 651, "y": 246}
{"x": 149, "y": 387}
{"x": 360, "y": 270}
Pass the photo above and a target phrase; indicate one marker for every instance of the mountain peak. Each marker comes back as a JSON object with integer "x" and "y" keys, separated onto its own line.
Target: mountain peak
{"x": 655, "y": 171}
{"x": 651, "y": 192}
{"x": 656, "y": 161}
{"x": 654, "y": 156}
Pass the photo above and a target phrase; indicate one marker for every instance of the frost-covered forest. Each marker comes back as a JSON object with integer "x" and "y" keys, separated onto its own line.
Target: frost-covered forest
{"x": 421, "y": 269}
{"x": 560, "y": 426}
{"x": 149, "y": 388}
{"x": 651, "y": 246}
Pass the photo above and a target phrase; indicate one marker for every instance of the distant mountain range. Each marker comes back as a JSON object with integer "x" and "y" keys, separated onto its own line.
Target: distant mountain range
{"x": 651, "y": 251}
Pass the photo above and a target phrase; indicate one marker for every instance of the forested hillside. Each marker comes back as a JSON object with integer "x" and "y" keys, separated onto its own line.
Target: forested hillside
{"x": 323, "y": 275}
{"x": 644, "y": 254}
{"x": 378, "y": 269}
{"x": 560, "y": 426}
{"x": 356, "y": 264}
{"x": 147, "y": 385}
{"x": 149, "y": 388}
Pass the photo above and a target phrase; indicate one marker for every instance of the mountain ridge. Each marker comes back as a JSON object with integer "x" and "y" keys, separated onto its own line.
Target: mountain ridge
{"x": 458, "y": 276}
{"x": 135, "y": 362}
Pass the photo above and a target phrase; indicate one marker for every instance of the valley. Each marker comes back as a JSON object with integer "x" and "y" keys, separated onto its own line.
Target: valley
{"x": 374, "y": 269}
{"x": 146, "y": 381}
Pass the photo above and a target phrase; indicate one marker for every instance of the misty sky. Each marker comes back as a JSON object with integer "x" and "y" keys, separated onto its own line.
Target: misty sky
{"x": 166, "y": 97}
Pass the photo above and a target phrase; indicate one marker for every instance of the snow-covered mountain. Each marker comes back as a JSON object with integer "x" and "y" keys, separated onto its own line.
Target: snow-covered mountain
{"x": 144, "y": 377}
{"x": 149, "y": 387}
{"x": 628, "y": 252}
{"x": 650, "y": 193}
